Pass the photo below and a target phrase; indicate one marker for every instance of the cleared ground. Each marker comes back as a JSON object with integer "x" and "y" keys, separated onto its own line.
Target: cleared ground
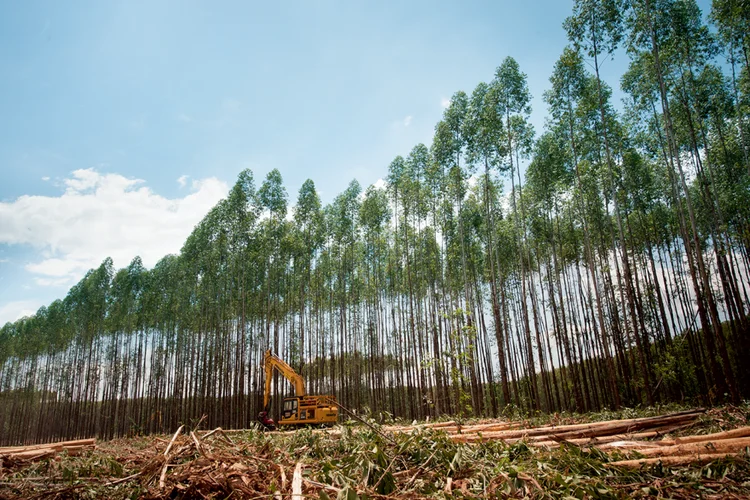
{"x": 670, "y": 452}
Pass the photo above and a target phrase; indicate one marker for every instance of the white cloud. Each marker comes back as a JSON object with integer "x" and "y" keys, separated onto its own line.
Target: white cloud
{"x": 102, "y": 215}
{"x": 3, "y": 261}
{"x": 407, "y": 121}
{"x": 445, "y": 102}
{"x": 182, "y": 180}
{"x": 45, "y": 178}
{"x": 379, "y": 184}
{"x": 53, "y": 282}
{"x": 18, "y": 309}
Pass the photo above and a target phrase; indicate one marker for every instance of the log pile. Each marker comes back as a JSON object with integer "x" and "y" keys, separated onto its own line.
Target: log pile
{"x": 691, "y": 449}
{"x": 39, "y": 451}
{"x": 637, "y": 435}
{"x": 551, "y": 436}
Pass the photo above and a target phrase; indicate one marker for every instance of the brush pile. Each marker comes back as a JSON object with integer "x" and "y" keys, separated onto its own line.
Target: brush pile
{"x": 209, "y": 465}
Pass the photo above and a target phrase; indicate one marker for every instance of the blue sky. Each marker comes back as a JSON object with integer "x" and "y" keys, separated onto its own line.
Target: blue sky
{"x": 123, "y": 122}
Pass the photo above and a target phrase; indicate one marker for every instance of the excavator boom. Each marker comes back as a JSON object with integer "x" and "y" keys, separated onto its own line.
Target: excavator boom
{"x": 271, "y": 362}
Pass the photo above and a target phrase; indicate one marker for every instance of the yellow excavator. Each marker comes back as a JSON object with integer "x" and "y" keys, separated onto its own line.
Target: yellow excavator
{"x": 302, "y": 409}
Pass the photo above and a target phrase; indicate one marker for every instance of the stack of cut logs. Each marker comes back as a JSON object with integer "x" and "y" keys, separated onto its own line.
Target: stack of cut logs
{"x": 690, "y": 449}
{"x": 624, "y": 435}
{"x": 39, "y": 451}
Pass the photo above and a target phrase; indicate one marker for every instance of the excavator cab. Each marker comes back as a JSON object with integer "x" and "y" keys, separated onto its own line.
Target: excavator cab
{"x": 291, "y": 407}
{"x": 309, "y": 410}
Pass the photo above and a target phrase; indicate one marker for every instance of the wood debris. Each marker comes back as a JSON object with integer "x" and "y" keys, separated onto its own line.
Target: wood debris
{"x": 637, "y": 435}
{"x": 580, "y": 434}
{"x": 193, "y": 466}
{"x": 692, "y": 449}
{"x": 209, "y": 464}
{"x": 593, "y": 434}
{"x": 39, "y": 451}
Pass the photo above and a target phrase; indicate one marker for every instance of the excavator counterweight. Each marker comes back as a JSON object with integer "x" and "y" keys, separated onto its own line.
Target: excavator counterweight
{"x": 302, "y": 409}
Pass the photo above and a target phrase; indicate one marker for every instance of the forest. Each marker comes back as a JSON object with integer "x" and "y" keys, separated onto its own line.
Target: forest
{"x": 602, "y": 262}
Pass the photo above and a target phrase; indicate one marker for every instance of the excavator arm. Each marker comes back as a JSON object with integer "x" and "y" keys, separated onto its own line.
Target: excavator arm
{"x": 296, "y": 379}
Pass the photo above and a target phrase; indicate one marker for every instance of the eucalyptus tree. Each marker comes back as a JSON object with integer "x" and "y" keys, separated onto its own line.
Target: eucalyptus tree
{"x": 548, "y": 180}
{"x": 478, "y": 348}
{"x": 122, "y": 322}
{"x": 450, "y": 149}
{"x": 440, "y": 205}
{"x": 596, "y": 27}
{"x": 732, "y": 19}
{"x": 705, "y": 111}
{"x": 484, "y": 127}
{"x": 512, "y": 105}
{"x": 308, "y": 218}
{"x": 644, "y": 125}
{"x": 397, "y": 181}
{"x": 571, "y": 89}
{"x": 344, "y": 231}
{"x": 415, "y": 212}
{"x": 449, "y": 146}
{"x": 374, "y": 214}
{"x": 273, "y": 198}
{"x": 667, "y": 30}
{"x": 243, "y": 209}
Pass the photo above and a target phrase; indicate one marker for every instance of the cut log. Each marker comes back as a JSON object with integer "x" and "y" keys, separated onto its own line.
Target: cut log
{"x": 36, "y": 454}
{"x": 678, "y": 460}
{"x": 54, "y": 446}
{"x": 717, "y": 436}
{"x": 703, "y": 447}
{"x": 577, "y": 431}
{"x": 40, "y": 451}
{"x": 624, "y": 426}
{"x": 409, "y": 428}
{"x": 618, "y": 442}
{"x": 498, "y": 426}
{"x": 607, "y": 442}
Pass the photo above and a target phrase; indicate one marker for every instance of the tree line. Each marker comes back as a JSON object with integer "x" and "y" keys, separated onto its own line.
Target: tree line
{"x": 602, "y": 263}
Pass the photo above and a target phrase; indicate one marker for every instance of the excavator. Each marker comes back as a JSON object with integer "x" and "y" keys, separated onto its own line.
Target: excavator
{"x": 302, "y": 409}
